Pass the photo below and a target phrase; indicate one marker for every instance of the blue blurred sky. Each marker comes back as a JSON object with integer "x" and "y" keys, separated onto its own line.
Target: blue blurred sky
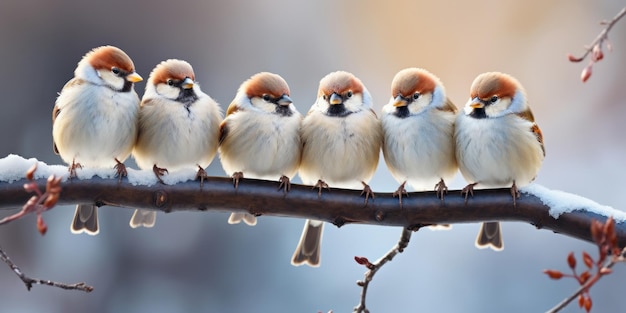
{"x": 194, "y": 262}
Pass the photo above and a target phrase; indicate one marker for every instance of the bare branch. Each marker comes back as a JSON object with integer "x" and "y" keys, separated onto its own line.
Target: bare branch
{"x": 586, "y": 286}
{"x": 30, "y": 281}
{"x": 603, "y": 36}
{"x": 405, "y": 237}
{"x": 336, "y": 206}
{"x": 596, "y": 46}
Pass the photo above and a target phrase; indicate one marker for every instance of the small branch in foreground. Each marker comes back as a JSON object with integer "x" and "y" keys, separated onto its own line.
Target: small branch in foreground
{"x": 40, "y": 202}
{"x": 29, "y": 282}
{"x": 606, "y": 240}
{"x": 374, "y": 267}
{"x": 595, "y": 49}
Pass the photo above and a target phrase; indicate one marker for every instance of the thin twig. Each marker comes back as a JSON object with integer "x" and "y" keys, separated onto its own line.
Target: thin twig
{"x": 604, "y": 34}
{"x": 373, "y": 268}
{"x": 30, "y": 281}
{"x": 585, "y": 286}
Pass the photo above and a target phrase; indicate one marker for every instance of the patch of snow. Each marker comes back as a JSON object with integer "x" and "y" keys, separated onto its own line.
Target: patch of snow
{"x": 14, "y": 167}
{"x": 563, "y": 202}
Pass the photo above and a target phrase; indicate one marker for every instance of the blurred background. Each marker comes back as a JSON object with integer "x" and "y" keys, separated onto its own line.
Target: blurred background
{"x": 196, "y": 262}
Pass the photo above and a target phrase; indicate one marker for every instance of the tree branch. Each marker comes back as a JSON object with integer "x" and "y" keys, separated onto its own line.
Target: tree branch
{"x": 30, "y": 281}
{"x": 405, "y": 237}
{"x": 336, "y": 206}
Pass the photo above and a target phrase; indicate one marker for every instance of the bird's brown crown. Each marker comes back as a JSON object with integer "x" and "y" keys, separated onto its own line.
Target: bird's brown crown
{"x": 412, "y": 80}
{"x": 491, "y": 84}
{"x": 265, "y": 83}
{"x": 339, "y": 82}
{"x": 171, "y": 69}
{"x": 107, "y": 57}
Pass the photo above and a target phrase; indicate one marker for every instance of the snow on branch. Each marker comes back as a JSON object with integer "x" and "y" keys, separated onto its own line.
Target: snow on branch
{"x": 558, "y": 211}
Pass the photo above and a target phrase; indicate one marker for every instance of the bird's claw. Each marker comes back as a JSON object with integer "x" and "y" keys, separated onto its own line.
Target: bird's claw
{"x": 120, "y": 170}
{"x": 401, "y": 191}
{"x": 285, "y": 184}
{"x": 201, "y": 175}
{"x": 158, "y": 172}
{"x": 368, "y": 192}
{"x": 467, "y": 190}
{"x": 236, "y": 177}
{"x": 321, "y": 185}
{"x": 441, "y": 188}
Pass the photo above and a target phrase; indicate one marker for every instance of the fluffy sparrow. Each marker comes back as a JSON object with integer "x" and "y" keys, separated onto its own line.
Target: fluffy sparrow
{"x": 260, "y": 135}
{"x": 341, "y": 138}
{"x": 94, "y": 121}
{"x": 178, "y": 126}
{"x": 498, "y": 143}
{"x": 418, "y": 128}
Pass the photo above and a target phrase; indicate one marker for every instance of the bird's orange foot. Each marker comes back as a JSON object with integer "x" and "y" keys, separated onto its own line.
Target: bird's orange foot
{"x": 400, "y": 191}
{"x": 236, "y": 177}
{"x": 285, "y": 184}
{"x": 72, "y": 169}
{"x": 201, "y": 175}
{"x": 469, "y": 189}
{"x": 368, "y": 192}
{"x": 514, "y": 193}
{"x": 159, "y": 172}
{"x": 321, "y": 185}
{"x": 441, "y": 188}
{"x": 120, "y": 170}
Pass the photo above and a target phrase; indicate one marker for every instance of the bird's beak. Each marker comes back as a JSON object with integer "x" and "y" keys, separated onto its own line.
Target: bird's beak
{"x": 399, "y": 101}
{"x": 476, "y": 104}
{"x": 187, "y": 83}
{"x": 335, "y": 99}
{"x": 284, "y": 100}
{"x": 134, "y": 77}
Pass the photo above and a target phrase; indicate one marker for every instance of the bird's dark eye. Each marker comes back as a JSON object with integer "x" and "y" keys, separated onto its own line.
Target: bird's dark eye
{"x": 170, "y": 82}
{"x": 494, "y": 99}
{"x": 348, "y": 94}
{"x": 325, "y": 97}
{"x": 416, "y": 96}
{"x": 115, "y": 71}
{"x": 266, "y": 98}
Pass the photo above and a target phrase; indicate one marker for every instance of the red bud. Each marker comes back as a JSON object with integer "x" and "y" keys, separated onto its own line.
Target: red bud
{"x": 31, "y": 172}
{"x": 587, "y": 259}
{"x": 553, "y": 274}
{"x": 584, "y": 277}
{"x": 574, "y": 59}
{"x": 588, "y": 304}
{"x": 361, "y": 260}
{"x": 581, "y": 300}
{"x": 586, "y": 73}
{"x": 596, "y": 53}
{"x": 41, "y": 225}
{"x": 571, "y": 260}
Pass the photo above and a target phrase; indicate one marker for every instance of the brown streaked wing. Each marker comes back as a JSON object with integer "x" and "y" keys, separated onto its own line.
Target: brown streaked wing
{"x": 528, "y": 115}
{"x": 223, "y": 131}
{"x": 55, "y": 113}
{"x": 537, "y": 131}
{"x": 232, "y": 108}
{"x": 448, "y": 106}
{"x": 374, "y": 112}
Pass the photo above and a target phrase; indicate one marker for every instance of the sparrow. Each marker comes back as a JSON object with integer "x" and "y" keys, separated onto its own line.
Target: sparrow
{"x": 94, "y": 120}
{"x": 418, "y": 129}
{"x": 498, "y": 143}
{"x": 341, "y": 138}
{"x": 178, "y": 126}
{"x": 260, "y": 135}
